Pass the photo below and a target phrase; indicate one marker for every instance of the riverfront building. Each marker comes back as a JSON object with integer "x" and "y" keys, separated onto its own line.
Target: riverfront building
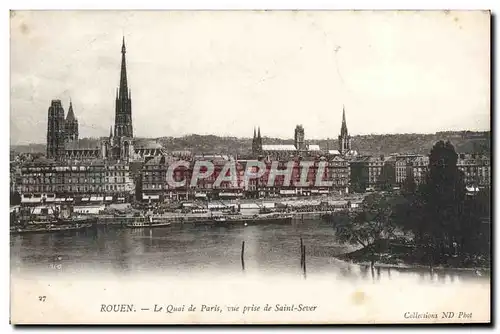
{"x": 155, "y": 186}
{"x": 476, "y": 169}
{"x": 83, "y": 182}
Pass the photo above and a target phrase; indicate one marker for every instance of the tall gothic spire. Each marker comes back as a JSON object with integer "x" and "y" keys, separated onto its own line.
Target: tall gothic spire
{"x": 123, "y": 113}
{"x": 344, "y": 138}
{"x": 259, "y": 140}
{"x": 343, "y": 129}
{"x": 123, "y": 91}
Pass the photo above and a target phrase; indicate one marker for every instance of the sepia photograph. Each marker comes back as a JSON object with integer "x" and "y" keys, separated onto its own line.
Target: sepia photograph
{"x": 250, "y": 167}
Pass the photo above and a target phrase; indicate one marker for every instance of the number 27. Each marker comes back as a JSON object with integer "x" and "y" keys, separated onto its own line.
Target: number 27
{"x": 41, "y": 298}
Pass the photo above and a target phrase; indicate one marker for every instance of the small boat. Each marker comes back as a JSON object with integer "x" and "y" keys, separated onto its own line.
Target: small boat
{"x": 147, "y": 224}
{"x": 271, "y": 218}
{"x": 78, "y": 220}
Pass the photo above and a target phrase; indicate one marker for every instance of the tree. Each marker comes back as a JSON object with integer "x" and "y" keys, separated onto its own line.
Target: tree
{"x": 444, "y": 220}
{"x": 483, "y": 201}
{"x": 437, "y": 212}
{"x": 409, "y": 185}
{"x": 444, "y": 197}
{"x": 372, "y": 224}
{"x": 138, "y": 187}
{"x": 387, "y": 176}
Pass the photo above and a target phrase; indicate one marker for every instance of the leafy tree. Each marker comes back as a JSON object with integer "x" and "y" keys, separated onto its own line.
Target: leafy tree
{"x": 373, "y": 223}
{"x": 444, "y": 198}
{"x": 409, "y": 185}
{"x": 483, "y": 201}
{"x": 443, "y": 219}
{"x": 387, "y": 178}
{"x": 138, "y": 187}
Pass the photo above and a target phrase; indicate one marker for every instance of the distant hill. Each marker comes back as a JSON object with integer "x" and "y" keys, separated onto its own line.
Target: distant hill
{"x": 464, "y": 142}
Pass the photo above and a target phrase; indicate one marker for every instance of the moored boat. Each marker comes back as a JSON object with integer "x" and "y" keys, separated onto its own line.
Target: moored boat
{"x": 47, "y": 228}
{"x": 54, "y": 220}
{"x": 148, "y": 223}
{"x": 270, "y": 218}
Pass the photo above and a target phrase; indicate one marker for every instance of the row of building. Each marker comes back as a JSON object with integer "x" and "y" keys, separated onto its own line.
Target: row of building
{"x": 118, "y": 169}
{"x": 346, "y": 174}
{"x": 148, "y": 180}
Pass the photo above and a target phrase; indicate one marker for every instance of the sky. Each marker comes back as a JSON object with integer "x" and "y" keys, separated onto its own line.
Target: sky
{"x": 224, "y": 72}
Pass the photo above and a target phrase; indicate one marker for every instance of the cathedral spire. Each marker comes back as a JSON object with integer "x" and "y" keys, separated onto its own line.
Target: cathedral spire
{"x": 123, "y": 109}
{"x": 110, "y": 131}
{"x": 123, "y": 91}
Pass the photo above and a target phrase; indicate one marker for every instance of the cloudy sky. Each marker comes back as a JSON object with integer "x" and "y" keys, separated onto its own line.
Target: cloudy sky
{"x": 225, "y": 72}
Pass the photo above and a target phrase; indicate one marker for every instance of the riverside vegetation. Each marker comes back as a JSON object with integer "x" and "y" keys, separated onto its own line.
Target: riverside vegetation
{"x": 434, "y": 224}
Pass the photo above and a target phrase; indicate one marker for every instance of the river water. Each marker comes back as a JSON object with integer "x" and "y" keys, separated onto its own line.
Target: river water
{"x": 177, "y": 250}
{"x": 201, "y": 265}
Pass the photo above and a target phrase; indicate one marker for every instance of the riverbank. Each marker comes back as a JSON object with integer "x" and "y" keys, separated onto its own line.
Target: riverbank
{"x": 401, "y": 255}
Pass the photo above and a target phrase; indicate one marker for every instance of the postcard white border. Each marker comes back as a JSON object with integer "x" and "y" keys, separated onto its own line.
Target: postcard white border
{"x": 187, "y": 4}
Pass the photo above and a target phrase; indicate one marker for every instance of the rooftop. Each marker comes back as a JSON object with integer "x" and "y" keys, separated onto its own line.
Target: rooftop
{"x": 313, "y": 148}
{"x": 279, "y": 148}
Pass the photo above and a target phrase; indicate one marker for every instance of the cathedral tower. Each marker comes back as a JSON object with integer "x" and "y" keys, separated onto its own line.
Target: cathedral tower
{"x": 55, "y": 130}
{"x": 123, "y": 109}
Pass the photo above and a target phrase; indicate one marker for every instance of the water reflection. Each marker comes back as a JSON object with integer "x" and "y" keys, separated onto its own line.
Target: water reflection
{"x": 192, "y": 250}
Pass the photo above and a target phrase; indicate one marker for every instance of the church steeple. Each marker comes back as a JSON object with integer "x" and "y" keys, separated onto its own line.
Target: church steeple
{"x": 343, "y": 129}
{"x": 344, "y": 138}
{"x": 259, "y": 141}
{"x": 123, "y": 91}
{"x": 256, "y": 142}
